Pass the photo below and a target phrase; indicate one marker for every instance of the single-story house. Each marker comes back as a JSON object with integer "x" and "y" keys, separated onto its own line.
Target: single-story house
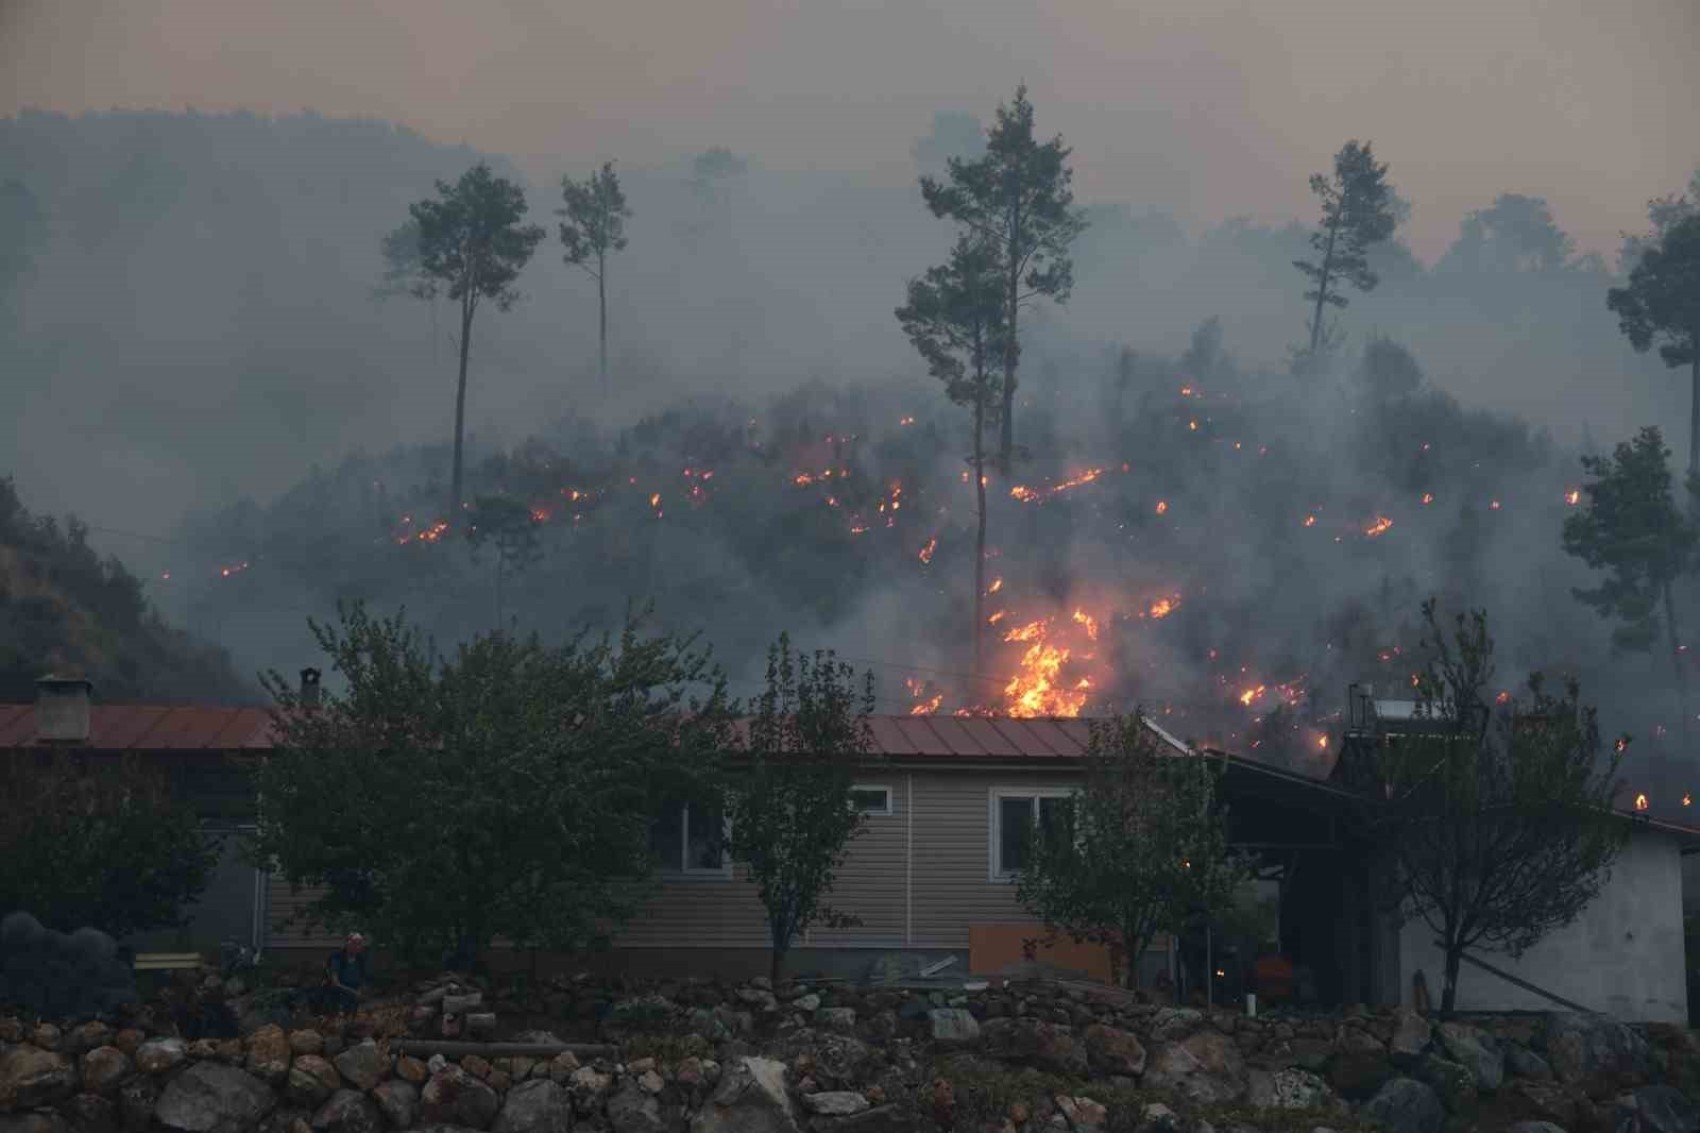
{"x": 931, "y": 877}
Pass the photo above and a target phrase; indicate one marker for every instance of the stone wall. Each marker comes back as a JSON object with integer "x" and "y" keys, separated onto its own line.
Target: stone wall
{"x": 717, "y": 1058}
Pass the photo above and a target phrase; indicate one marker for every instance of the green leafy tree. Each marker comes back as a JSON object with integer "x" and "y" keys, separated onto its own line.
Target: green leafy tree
{"x": 1515, "y": 234}
{"x": 790, "y": 803}
{"x": 1631, "y": 528}
{"x": 955, "y": 319}
{"x": 507, "y": 528}
{"x": 1016, "y": 199}
{"x": 1357, "y": 213}
{"x": 1661, "y": 303}
{"x": 1140, "y": 849}
{"x": 506, "y": 791}
{"x": 472, "y": 245}
{"x": 401, "y": 255}
{"x": 594, "y": 226}
{"x": 1663, "y": 214}
{"x": 1498, "y": 823}
{"x": 101, "y": 845}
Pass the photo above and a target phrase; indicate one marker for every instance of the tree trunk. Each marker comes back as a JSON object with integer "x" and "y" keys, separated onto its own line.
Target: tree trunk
{"x": 460, "y": 411}
{"x": 1676, "y": 658}
{"x": 1011, "y": 344}
{"x": 781, "y": 940}
{"x": 1322, "y": 286}
{"x": 1449, "y": 994}
{"x": 602, "y": 315}
{"x": 980, "y": 526}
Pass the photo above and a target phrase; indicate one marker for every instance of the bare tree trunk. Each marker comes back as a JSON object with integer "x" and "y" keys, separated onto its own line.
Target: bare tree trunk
{"x": 1322, "y": 287}
{"x": 1676, "y": 659}
{"x": 460, "y": 410}
{"x": 1449, "y": 994}
{"x": 980, "y": 528}
{"x": 602, "y": 310}
{"x": 1011, "y": 343}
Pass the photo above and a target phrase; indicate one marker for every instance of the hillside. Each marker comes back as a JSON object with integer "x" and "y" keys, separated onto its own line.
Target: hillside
{"x": 65, "y": 609}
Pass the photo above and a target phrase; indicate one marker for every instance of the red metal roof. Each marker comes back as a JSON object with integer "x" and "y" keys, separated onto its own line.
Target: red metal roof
{"x": 143, "y": 727}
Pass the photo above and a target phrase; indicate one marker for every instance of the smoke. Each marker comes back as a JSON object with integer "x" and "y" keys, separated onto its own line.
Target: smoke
{"x": 198, "y": 313}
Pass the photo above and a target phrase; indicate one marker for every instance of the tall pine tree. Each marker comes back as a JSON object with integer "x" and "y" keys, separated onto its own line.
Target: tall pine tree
{"x": 1357, "y": 212}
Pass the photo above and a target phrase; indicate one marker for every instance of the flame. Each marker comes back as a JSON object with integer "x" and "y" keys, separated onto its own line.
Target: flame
{"x": 1494, "y": 505}
{"x": 1162, "y": 507}
{"x": 1081, "y": 617}
{"x": 1023, "y": 493}
{"x": 1428, "y": 498}
{"x": 226, "y": 572}
{"x": 1573, "y": 497}
{"x": 997, "y": 585}
{"x": 1192, "y": 425}
{"x": 1322, "y": 742}
{"x": 1381, "y": 524}
{"x": 1687, "y": 799}
{"x": 1622, "y": 744}
{"x": 924, "y": 705}
{"x": 1027, "y": 494}
{"x": 539, "y": 515}
{"x": 906, "y": 420}
{"x": 997, "y": 617}
{"x": 1250, "y": 695}
{"x": 166, "y": 576}
{"x": 1504, "y": 697}
{"x": 1640, "y": 802}
{"x": 1163, "y": 607}
{"x": 926, "y": 554}
{"x": 802, "y": 479}
{"x": 1186, "y": 391}
{"x": 1310, "y": 521}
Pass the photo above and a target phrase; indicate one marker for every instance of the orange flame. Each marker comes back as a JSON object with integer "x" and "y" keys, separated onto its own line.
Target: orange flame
{"x": 1381, "y": 524}
{"x": 1081, "y": 617}
{"x": 1322, "y": 743}
{"x": 926, "y": 554}
{"x": 997, "y": 585}
{"x": 1310, "y": 521}
{"x": 1163, "y": 607}
{"x": 1250, "y": 695}
{"x": 1162, "y": 507}
{"x": 1428, "y": 498}
{"x": 226, "y": 572}
{"x": 1504, "y": 697}
{"x": 1027, "y": 494}
{"x": 1640, "y": 802}
{"x": 1573, "y": 497}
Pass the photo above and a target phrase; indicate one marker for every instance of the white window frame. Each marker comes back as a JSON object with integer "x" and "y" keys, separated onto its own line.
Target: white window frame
{"x": 994, "y": 823}
{"x": 884, "y": 812}
{"x": 680, "y": 871}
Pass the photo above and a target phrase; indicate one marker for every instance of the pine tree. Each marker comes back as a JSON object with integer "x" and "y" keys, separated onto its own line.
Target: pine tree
{"x": 595, "y": 225}
{"x": 1357, "y": 212}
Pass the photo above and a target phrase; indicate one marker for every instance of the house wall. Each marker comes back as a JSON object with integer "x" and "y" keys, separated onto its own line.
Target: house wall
{"x": 1623, "y": 956}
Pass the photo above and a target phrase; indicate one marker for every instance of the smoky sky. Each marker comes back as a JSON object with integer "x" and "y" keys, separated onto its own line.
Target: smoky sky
{"x": 1205, "y": 108}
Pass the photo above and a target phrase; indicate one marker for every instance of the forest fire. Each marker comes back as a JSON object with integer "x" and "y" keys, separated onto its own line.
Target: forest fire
{"x": 927, "y": 701}
{"x": 1027, "y": 494}
{"x": 926, "y": 553}
{"x": 1163, "y": 607}
{"x": 1381, "y": 525}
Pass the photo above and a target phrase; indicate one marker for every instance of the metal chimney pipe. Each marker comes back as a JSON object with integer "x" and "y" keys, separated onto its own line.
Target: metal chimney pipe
{"x": 62, "y": 709}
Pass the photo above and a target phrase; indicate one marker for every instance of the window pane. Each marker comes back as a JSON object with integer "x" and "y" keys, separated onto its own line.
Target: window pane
{"x": 1053, "y": 818}
{"x": 704, "y": 848}
{"x": 872, "y": 800}
{"x": 1015, "y": 815}
{"x": 666, "y": 836}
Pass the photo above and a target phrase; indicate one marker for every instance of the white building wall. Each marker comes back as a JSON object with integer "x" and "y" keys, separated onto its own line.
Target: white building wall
{"x": 1623, "y": 956}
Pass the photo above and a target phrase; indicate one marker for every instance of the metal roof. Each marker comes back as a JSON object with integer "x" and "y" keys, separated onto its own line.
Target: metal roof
{"x": 144, "y": 727}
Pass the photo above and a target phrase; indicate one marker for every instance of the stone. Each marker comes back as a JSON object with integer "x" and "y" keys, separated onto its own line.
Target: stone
{"x": 880, "y": 1119}
{"x": 537, "y": 1106}
{"x": 1081, "y": 1113}
{"x": 268, "y": 1053}
{"x": 1112, "y": 1051}
{"x": 1291, "y": 1088}
{"x": 952, "y": 1026}
{"x": 1535, "y": 1127}
{"x": 835, "y": 1103}
{"x": 807, "y": 1003}
{"x": 836, "y": 1018}
{"x": 588, "y": 1086}
{"x": 562, "y": 1066}
{"x": 32, "y": 1123}
{"x": 1476, "y": 1051}
{"x": 759, "y": 998}
{"x": 476, "y": 1065}
{"x": 521, "y": 1067}
{"x": 481, "y": 1024}
{"x": 1207, "y": 1067}
{"x": 635, "y": 1111}
{"x": 1158, "y": 1118}
{"x": 362, "y": 1064}
{"x": 46, "y": 1036}
{"x": 1598, "y": 1051}
{"x": 1172, "y": 1023}
{"x": 1544, "y": 1099}
{"x": 136, "y": 1099}
{"x": 454, "y": 1097}
{"x": 1035, "y": 1043}
{"x": 1525, "y": 1063}
{"x": 751, "y": 1098}
{"x": 398, "y": 1101}
{"x": 1451, "y": 1081}
{"x": 311, "y": 1081}
{"x": 1359, "y": 1065}
{"x": 91, "y": 1113}
{"x": 306, "y": 1041}
{"x": 411, "y": 1070}
{"x": 87, "y": 1036}
{"x": 348, "y": 1111}
{"x": 461, "y": 1004}
{"x": 1661, "y": 1109}
{"x": 104, "y": 1068}
{"x": 129, "y": 1040}
{"x": 1411, "y": 1035}
{"x": 1405, "y": 1105}
{"x": 210, "y": 1097}
{"x": 651, "y": 1082}
{"x": 30, "y": 1076}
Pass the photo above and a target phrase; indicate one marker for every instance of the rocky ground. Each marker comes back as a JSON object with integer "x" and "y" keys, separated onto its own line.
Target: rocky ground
{"x": 754, "y": 1058}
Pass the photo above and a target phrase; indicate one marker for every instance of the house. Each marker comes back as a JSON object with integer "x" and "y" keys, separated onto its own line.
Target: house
{"x": 930, "y": 879}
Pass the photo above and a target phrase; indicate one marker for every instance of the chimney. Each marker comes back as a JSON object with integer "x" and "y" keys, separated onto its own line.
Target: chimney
{"x": 62, "y": 709}
{"x": 309, "y": 688}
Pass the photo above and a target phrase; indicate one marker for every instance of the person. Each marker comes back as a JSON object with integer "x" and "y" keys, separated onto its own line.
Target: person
{"x": 345, "y": 975}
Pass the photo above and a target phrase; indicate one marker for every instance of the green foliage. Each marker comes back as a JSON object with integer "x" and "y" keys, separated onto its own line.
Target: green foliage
{"x": 955, "y": 319}
{"x": 1358, "y": 211}
{"x": 103, "y": 845}
{"x": 790, "y": 804}
{"x": 470, "y": 239}
{"x": 1515, "y": 234}
{"x": 507, "y": 528}
{"x": 506, "y": 791}
{"x": 595, "y": 219}
{"x": 1631, "y": 529}
{"x": 1661, "y": 303}
{"x": 1498, "y": 824}
{"x": 1015, "y": 199}
{"x": 1142, "y": 848}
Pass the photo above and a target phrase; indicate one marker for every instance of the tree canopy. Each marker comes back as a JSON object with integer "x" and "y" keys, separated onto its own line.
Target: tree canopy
{"x": 1661, "y": 304}
{"x": 1358, "y": 212}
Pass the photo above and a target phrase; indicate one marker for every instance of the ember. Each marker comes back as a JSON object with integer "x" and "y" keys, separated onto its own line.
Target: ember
{"x": 1381, "y": 524}
{"x": 1640, "y": 802}
{"x": 1573, "y": 497}
{"x": 1163, "y": 607}
{"x": 926, "y": 554}
{"x": 1428, "y": 498}
{"x": 1028, "y": 494}
{"x": 1162, "y": 506}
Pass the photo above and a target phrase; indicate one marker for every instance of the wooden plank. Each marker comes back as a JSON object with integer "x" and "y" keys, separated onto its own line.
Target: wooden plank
{"x": 166, "y": 961}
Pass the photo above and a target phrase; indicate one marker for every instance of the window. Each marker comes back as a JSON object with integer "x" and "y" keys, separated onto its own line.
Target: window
{"x": 871, "y": 800}
{"x": 690, "y": 840}
{"x": 1013, "y": 811}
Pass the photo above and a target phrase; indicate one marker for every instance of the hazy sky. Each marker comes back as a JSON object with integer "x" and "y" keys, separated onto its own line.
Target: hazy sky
{"x": 1207, "y": 107}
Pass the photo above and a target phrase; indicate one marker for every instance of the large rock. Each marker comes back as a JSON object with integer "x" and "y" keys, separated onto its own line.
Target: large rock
{"x": 535, "y": 1106}
{"x": 1405, "y": 1105}
{"x": 1359, "y": 1065}
{"x": 880, "y": 1119}
{"x": 348, "y": 1111}
{"x": 1411, "y": 1035}
{"x": 953, "y": 1026}
{"x": 751, "y": 1099}
{"x": 1111, "y": 1051}
{"x": 1525, "y": 1063}
{"x": 1660, "y": 1109}
{"x": 105, "y": 1068}
{"x": 30, "y": 1076}
{"x": 398, "y": 1100}
{"x": 210, "y": 1097}
{"x": 91, "y": 1113}
{"x": 1546, "y": 1100}
{"x": 454, "y": 1097}
{"x": 835, "y": 1103}
{"x": 1206, "y": 1066}
{"x": 136, "y": 1099}
{"x": 269, "y": 1053}
{"x": 634, "y": 1110}
{"x": 1291, "y": 1088}
{"x": 1476, "y": 1051}
{"x": 1452, "y": 1082}
{"x": 1597, "y": 1052}
{"x": 1035, "y": 1043}
{"x": 362, "y": 1064}
{"x": 156, "y": 1056}
{"x": 1172, "y": 1023}
{"x": 311, "y": 1081}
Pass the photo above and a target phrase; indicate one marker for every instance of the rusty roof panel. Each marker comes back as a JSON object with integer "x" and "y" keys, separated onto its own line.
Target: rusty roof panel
{"x": 985, "y": 733}
{"x": 143, "y": 727}
{"x": 921, "y": 738}
{"x": 887, "y": 737}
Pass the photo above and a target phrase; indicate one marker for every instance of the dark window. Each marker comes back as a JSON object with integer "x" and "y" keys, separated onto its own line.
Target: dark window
{"x": 871, "y": 800}
{"x": 1015, "y": 815}
{"x": 688, "y": 839}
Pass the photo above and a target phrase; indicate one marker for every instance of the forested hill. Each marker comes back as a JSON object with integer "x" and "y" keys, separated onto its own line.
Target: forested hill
{"x": 65, "y": 609}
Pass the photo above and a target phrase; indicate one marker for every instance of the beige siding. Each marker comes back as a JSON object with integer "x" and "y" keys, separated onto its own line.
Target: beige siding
{"x": 282, "y": 905}
{"x": 953, "y": 888}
